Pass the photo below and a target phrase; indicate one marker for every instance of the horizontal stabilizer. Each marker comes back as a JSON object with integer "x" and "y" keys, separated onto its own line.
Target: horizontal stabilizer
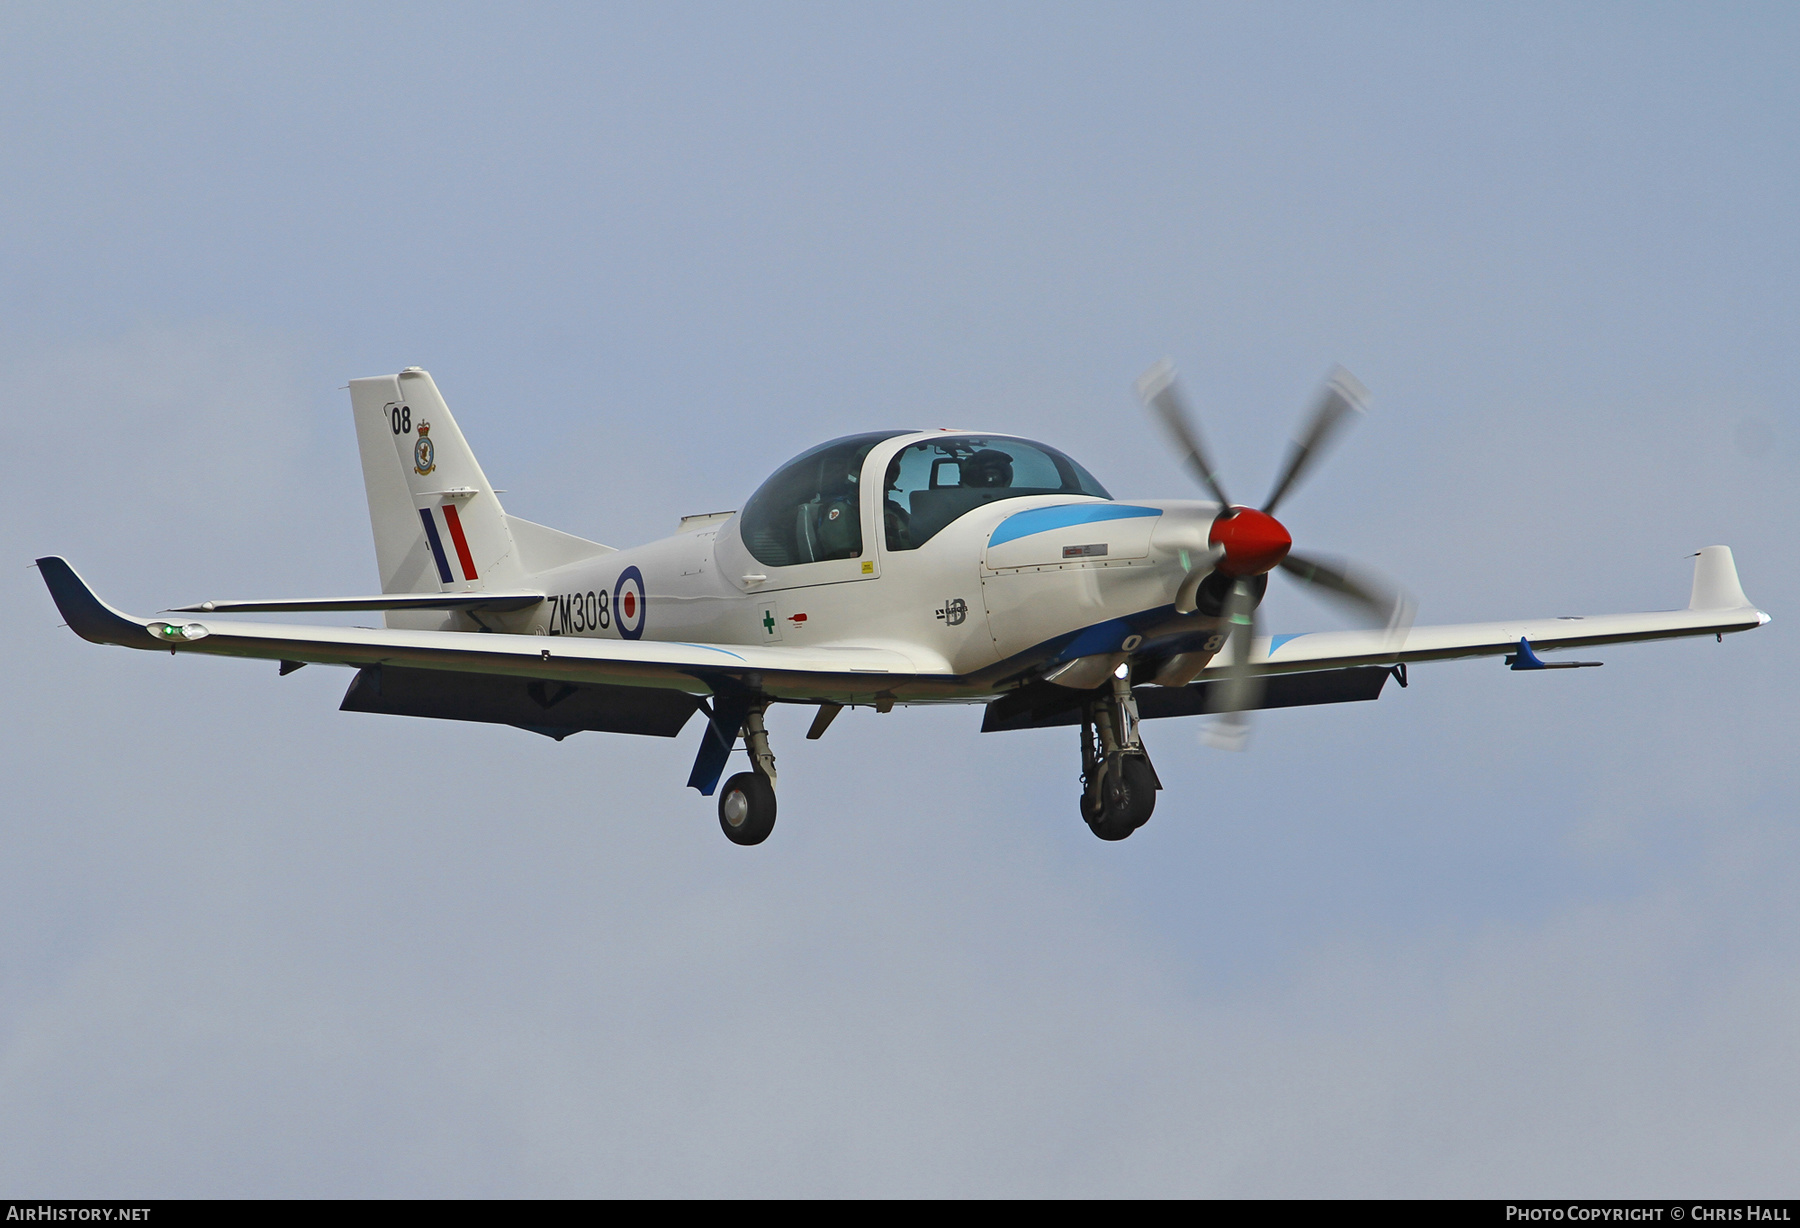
{"x": 500, "y": 603}
{"x": 546, "y": 549}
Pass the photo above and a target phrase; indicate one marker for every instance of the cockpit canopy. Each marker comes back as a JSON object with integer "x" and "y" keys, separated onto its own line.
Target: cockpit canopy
{"x": 931, "y": 483}
{"x": 808, "y": 512}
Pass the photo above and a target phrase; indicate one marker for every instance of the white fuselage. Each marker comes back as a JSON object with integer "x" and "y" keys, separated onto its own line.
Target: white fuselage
{"x": 989, "y": 595}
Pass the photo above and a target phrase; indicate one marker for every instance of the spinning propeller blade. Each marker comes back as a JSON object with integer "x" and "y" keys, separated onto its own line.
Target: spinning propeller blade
{"x": 1240, "y": 690}
{"x": 1342, "y": 402}
{"x": 1374, "y": 598}
{"x": 1156, "y": 388}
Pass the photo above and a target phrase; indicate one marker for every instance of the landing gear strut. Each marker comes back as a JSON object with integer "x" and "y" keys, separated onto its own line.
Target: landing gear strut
{"x": 747, "y": 802}
{"x": 1119, "y": 785}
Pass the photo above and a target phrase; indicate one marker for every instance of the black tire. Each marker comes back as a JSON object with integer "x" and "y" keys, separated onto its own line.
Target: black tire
{"x": 1127, "y": 798}
{"x": 749, "y": 798}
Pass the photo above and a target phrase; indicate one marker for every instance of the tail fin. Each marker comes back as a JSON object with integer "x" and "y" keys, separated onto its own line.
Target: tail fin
{"x": 438, "y": 525}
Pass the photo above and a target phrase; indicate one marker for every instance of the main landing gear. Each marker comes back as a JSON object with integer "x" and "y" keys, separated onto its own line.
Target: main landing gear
{"x": 747, "y": 802}
{"x": 1118, "y": 784}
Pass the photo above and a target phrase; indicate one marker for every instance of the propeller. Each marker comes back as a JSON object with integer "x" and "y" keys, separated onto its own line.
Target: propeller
{"x": 1241, "y": 689}
{"x": 1341, "y": 404}
{"x": 1157, "y": 388}
{"x": 1249, "y": 542}
{"x": 1365, "y": 593}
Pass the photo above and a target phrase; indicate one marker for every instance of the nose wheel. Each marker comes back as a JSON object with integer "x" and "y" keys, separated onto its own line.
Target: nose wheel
{"x": 1124, "y": 801}
{"x": 1119, "y": 792}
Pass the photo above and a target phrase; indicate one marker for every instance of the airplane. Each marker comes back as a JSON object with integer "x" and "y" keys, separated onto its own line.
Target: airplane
{"x": 882, "y": 569}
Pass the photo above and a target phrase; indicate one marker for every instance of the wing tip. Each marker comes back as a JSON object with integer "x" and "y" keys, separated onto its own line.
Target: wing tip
{"x": 1716, "y": 585}
{"x": 88, "y": 616}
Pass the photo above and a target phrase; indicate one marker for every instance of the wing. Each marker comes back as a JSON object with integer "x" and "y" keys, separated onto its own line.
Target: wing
{"x": 1343, "y": 666}
{"x": 838, "y": 675}
{"x": 1717, "y": 606}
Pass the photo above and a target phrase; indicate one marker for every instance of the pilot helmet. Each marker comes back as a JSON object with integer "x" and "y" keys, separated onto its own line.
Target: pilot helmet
{"x": 989, "y": 468}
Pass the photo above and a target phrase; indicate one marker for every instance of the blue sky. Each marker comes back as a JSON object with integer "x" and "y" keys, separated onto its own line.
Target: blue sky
{"x": 1494, "y": 934}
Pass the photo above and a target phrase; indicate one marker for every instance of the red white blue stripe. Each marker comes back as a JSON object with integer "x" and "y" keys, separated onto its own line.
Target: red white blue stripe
{"x": 453, "y": 523}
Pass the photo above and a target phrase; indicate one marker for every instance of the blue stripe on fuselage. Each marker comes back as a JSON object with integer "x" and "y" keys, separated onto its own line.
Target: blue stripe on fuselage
{"x": 1044, "y": 519}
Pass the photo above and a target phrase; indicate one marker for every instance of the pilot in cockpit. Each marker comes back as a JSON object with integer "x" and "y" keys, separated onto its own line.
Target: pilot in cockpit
{"x": 898, "y": 519}
{"x": 988, "y": 469}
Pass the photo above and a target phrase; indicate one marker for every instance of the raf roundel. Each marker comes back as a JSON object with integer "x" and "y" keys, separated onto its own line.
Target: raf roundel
{"x": 628, "y": 603}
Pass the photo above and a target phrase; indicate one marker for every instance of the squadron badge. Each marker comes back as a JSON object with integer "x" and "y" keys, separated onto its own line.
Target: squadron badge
{"x": 424, "y": 452}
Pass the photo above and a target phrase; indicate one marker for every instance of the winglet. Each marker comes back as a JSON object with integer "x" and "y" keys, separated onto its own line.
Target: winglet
{"x": 88, "y": 616}
{"x": 1716, "y": 584}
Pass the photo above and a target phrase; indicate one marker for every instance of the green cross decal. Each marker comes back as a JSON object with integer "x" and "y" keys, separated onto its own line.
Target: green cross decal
{"x": 769, "y": 621}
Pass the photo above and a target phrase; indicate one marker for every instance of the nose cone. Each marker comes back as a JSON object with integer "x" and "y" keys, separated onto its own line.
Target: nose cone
{"x": 1254, "y": 542}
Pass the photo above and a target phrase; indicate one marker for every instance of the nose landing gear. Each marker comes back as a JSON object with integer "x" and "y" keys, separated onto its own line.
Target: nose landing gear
{"x": 1119, "y": 785}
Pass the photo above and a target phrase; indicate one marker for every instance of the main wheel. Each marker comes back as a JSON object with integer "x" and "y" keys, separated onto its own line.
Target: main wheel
{"x": 747, "y": 808}
{"x": 1127, "y": 797}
